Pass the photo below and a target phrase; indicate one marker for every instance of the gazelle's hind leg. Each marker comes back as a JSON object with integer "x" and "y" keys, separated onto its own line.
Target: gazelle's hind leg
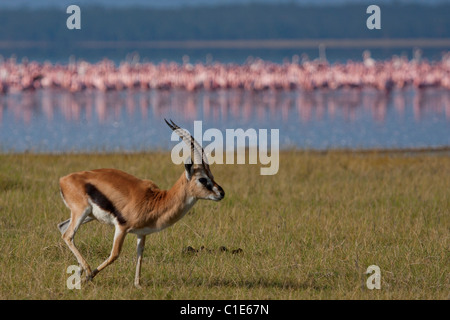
{"x": 119, "y": 237}
{"x": 75, "y": 221}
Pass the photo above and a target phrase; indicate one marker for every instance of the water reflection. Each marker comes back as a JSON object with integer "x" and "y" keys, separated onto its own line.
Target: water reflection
{"x": 52, "y": 120}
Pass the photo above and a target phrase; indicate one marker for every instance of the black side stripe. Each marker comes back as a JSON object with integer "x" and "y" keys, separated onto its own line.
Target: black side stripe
{"x": 103, "y": 202}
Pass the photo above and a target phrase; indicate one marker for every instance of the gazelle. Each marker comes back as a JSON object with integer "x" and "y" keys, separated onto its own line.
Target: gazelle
{"x": 133, "y": 205}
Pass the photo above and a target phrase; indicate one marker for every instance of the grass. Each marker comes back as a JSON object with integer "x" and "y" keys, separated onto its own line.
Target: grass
{"x": 309, "y": 232}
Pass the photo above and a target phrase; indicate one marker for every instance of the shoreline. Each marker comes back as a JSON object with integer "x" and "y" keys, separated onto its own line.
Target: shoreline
{"x": 412, "y": 151}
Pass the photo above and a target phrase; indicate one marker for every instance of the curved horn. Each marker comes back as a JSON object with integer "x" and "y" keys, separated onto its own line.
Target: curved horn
{"x": 199, "y": 154}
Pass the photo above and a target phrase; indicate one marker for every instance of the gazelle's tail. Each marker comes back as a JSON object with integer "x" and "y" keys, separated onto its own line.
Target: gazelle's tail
{"x": 62, "y": 226}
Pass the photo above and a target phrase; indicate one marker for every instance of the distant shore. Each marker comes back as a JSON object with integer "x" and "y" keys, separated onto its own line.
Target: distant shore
{"x": 240, "y": 44}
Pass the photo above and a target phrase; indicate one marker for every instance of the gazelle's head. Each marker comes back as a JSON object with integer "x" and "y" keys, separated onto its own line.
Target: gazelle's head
{"x": 200, "y": 180}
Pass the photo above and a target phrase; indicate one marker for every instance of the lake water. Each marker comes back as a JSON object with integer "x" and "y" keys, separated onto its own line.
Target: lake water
{"x": 56, "y": 121}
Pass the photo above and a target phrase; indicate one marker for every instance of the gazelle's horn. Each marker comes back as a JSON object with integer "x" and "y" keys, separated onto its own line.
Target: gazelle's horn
{"x": 197, "y": 153}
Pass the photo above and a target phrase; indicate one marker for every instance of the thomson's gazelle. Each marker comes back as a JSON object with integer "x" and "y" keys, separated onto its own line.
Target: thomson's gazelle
{"x": 133, "y": 205}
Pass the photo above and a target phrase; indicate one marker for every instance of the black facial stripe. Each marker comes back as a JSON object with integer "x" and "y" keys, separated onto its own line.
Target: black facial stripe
{"x": 103, "y": 202}
{"x": 204, "y": 182}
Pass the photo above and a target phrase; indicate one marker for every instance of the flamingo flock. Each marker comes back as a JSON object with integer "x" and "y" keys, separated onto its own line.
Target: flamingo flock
{"x": 254, "y": 75}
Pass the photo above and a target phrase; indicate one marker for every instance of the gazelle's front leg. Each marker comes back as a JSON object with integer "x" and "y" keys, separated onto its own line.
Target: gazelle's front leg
{"x": 119, "y": 237}
{"x": 140, "y": 251}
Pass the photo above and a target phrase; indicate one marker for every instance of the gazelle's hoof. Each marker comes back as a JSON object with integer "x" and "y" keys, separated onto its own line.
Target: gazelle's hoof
{"x": 89, "y": 276}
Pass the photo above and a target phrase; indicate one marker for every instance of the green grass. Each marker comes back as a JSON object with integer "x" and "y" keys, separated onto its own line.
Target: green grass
{"x": 309, "y": 232}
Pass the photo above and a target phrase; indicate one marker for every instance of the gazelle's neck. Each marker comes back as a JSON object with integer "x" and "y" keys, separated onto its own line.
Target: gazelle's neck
{"x": 177, "y": 202}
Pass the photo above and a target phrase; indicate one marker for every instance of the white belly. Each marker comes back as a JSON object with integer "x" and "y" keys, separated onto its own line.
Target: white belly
{"x": 145, "y": 231}
{"x": 102, "y": 215}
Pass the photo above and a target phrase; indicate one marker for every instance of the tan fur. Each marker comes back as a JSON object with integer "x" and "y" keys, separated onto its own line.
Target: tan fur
{"x": 133, "y": 205}
{"x": 141, "y": 203}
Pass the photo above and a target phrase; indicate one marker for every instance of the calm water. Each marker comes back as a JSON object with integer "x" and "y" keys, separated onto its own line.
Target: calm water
{"x": 54, "y": 121}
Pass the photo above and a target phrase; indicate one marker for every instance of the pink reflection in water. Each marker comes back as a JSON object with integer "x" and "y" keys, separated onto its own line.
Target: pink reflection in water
{"x": 224, "y": 105}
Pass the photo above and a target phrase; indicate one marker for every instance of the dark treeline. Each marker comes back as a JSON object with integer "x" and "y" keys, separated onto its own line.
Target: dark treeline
{"x": 228, "y": 22}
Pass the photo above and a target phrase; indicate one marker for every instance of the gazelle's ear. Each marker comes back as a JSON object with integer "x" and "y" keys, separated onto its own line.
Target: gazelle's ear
{"x": 188, "y": 167}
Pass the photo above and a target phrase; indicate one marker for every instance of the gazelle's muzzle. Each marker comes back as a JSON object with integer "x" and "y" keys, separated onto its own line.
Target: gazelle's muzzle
{"x": 220, "y": 194}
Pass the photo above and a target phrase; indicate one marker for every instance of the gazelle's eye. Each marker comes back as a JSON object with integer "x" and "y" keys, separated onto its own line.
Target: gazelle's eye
{"x": 203, "y": 181}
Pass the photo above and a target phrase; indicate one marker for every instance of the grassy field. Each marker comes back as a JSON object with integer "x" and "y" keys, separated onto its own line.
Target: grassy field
{"x": 309, "y": 232}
